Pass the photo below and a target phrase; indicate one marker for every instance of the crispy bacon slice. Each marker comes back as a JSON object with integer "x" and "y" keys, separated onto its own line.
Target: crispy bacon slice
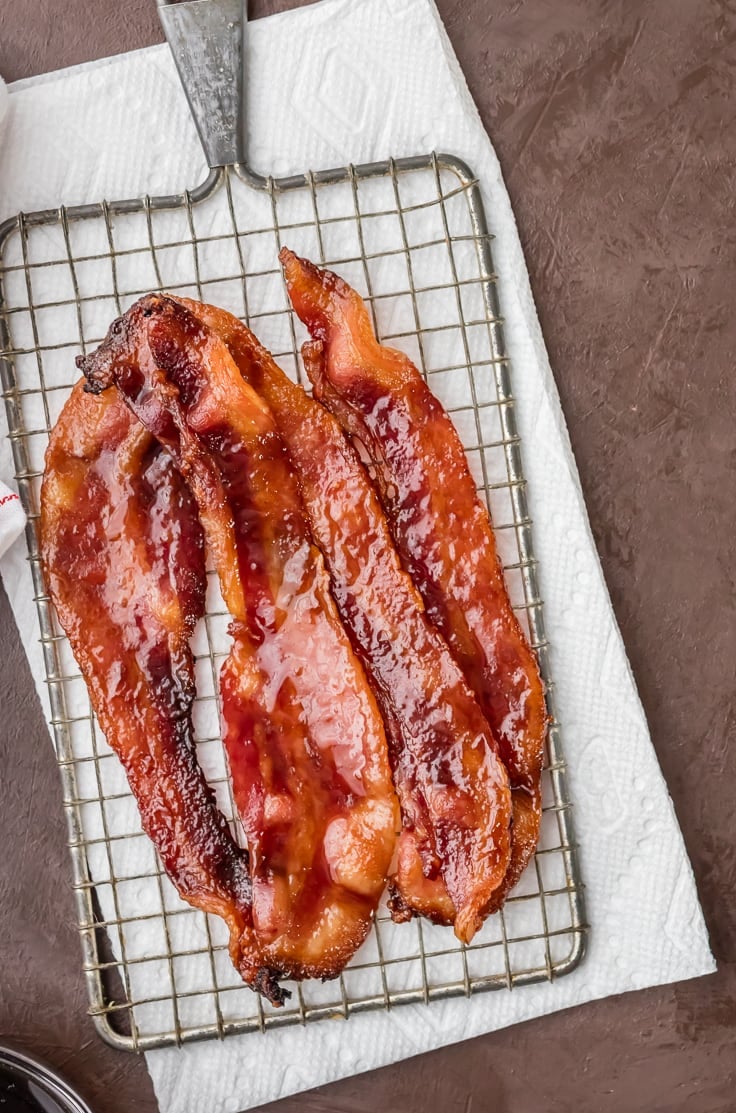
{"x": 442, "y": 531}
{"x": 304, "y": 737}
{"x": 123, "y": 558}
{"x": 452, "y": 787}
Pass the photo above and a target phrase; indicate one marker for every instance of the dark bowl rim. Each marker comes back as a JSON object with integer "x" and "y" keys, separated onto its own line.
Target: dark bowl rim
{"x": 40, "y": 1072}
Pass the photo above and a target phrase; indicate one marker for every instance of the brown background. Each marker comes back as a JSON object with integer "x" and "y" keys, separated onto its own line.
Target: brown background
{"x": 615, "y": 125}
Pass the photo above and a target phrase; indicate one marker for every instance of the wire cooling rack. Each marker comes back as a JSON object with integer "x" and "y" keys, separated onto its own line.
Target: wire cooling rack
{"x": 411, "y": 236}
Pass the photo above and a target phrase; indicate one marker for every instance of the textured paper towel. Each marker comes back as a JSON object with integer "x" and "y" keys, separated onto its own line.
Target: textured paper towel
{"x": 354, "y": 80}
{"x": 3, "y": 103}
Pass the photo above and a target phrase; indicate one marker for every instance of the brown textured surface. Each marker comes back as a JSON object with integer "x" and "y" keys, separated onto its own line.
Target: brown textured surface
{"x": 615, "y": 123}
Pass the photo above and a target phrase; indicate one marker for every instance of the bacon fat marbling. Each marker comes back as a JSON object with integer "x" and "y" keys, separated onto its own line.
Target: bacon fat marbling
{"x": 452, "y": 787}
{"x": 305, "y": 741}
{"x": 440, "y": 527}
{"x": 123, "y": 557}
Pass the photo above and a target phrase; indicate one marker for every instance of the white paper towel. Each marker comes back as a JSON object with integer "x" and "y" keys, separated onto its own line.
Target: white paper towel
{"x": 355, "y": 80}
{"x": 3, "y": 103}
{"x": 12, "y": 518}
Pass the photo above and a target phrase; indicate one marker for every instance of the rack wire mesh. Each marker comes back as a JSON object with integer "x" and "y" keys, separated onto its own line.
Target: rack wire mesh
{"x": 411, "y": 235}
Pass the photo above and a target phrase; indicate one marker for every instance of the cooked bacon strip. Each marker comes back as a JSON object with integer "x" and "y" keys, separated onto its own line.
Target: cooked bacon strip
{"x": 440, "y": 527}
{"x": 452, "y": 787}
{"x": 122, "y": 553}
{"x": 304, "y": 737}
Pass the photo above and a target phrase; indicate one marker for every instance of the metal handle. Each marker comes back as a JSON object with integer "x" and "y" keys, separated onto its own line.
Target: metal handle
{"x": 206, "y": 39}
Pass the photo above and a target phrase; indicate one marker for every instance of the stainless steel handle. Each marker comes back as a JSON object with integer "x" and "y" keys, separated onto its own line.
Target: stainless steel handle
{"x": 206, "y": 39}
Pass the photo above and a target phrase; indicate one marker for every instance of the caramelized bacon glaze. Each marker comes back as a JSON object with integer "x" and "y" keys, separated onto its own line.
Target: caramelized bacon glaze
{"x": 304, "y": 737}
{"x": 453, "y": 789}
{"x": 122, "y": 552}
{"x": 443, "y": 533}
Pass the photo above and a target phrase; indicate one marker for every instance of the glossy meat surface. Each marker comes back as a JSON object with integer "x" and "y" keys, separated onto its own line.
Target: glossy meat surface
{"x": 123, "y": 558}
{"x": 304, "y": 738}
{"x": 452, "y": 787}
{"x": 441, "y": 529}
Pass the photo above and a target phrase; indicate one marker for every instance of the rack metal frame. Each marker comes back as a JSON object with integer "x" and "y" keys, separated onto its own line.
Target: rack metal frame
{"x": 450, "y": 198}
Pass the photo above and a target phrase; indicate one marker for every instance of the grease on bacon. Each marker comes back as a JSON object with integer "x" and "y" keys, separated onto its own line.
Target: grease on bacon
{"x": 123, "y": 558}
{"x": 441, "y": 529}
{"x": 304, "y": 737}
{"x": 453, "y": 789}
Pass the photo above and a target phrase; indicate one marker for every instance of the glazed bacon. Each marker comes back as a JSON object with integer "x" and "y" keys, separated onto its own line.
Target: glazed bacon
{"x": 453, "y": 789}
{"x": 304, "y": 737}
{"x": 122, "y": 552}
{"x": 443, "y": 533}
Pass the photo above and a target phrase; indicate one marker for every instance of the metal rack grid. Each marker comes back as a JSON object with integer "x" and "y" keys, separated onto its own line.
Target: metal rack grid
{"x": 411, "y": 235}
